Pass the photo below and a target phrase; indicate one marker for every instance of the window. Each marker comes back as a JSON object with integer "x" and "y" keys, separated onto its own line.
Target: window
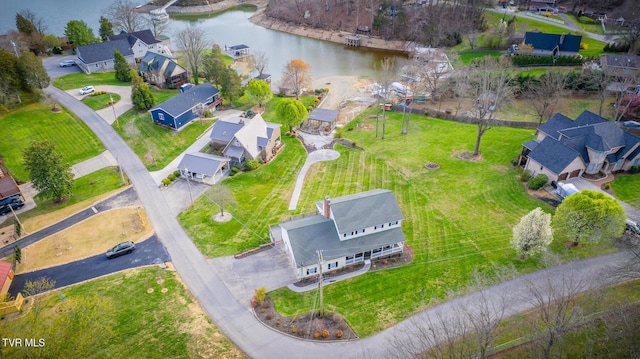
{"x": 344, "y": 235}
{"x": 350, "y": 257}
{"x": 636, "y": 161}
{"x": 363, "y": 231}
{"x": 333, "y": 265}
{"x": 313, "y": 270}
{"x": 375, "y": 227}
{"x": 591, "y": 167}
{"x": 161, "y": 116}
{"x": 382, "y": 226}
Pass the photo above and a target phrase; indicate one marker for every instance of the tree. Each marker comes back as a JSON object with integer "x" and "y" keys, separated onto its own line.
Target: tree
{"x": 489, "y": 87}
{"x": 385, "y": 74}
{"x": 157, "y": 26}
{"x": 297, "y": 76}
{"x": 192, "y": 42}
{"x": 31, "y": 29}
{"x": 259, "y": 62}
{"x": 106, "y": 28}
{"x": 9, "y": 76}
{"x": 25, "y": 26}
{"x": 545, "y": 93}
{"x": 120, "y": 64}
{"x": 48, "y": 173}
{"x": 32, "y": 72}
{"x": 532, "y": 234}
{"x": 291, "y": 112}
{"x": 231, "y": 85}
{"x": 124, "y": 17}
{"x": 259, "y": 91}
{"x": 213, "y": 66}
{"x": 40, "y": 285}
{"x": 141, "y": 95}
{"x": 631, "y": 30}
{"x": 589, "y": 216}
{"x": 79, "y": 33}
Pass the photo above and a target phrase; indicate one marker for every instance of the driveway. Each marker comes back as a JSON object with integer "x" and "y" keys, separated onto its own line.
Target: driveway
{"x": 148, "y": 252}
{"x": 181, "y": 194}
{"x": 121, "y": 106}
{"x": 52, "y": 65}
{"x": 633, "y": 213}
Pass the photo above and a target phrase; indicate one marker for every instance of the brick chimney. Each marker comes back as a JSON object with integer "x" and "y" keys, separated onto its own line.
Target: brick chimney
{"x": 326, "y": 207}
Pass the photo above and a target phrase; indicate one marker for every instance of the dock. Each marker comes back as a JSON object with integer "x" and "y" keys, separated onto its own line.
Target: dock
{"x": 352, "y": 40}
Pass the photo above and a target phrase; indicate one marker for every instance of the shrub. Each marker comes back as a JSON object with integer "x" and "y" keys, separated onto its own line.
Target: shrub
{"x": 177, "y": 173}
{"x": 394, "y": 259}
{"x": 325, "y": 333}
{"x": 584, "y": 46}
{"x": 294, "y": 330}
{"x": 524, "y": 176}
{"x": 268, "y": 317}
{"x": 252, "y": 165}
{"x": 339, "y": 132}
{"x": 278, "y": 322}
{"x": 171, "y": 177}
{"x": 166, "y": 181}
{"x": 98, "y": 93}
{"x": 234, "y": 170}
{"x": 260, "y": 294}
{"x": 634, "y": 169}
{"x": 384, "y": 261}
{"x": 514, "y": 162}
{"x": 538, "y": 181}
{"x": 339, "y": 334}
{"x": 316, "y": 335}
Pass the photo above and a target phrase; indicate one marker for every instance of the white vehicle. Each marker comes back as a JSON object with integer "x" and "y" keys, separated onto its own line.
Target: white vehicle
{"x": 86, "y": 90}
{"x": 67, "y": 63}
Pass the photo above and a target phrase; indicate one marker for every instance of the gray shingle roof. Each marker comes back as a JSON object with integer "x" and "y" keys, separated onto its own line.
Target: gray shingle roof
{"x": 588, "y": 118}
{"x": 185, "y": 101}
{"x": 531, "y": 144}
{"x": 235, "y": 151}
{"x": 554, "y": 155}
{"x": 620, "y": 60}
{"x": 238, "y": 47}
{"x": 324, "y": 115}
{"x": 153, "y": 61}
{"x": 365, "y": 209}
{"x": 309, "y": 234}
{"x": 224, "y": 130}
{"x": 103, "y": 51}
{"x": 555, "y": 124}
{"x": 145, "y": 36}
{"x": 202, "y": 163}
{"x": 544, "y": 41}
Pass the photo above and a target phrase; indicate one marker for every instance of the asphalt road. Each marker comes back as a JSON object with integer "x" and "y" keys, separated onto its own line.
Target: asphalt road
{"x": 52, "y": 66}
{"x": 147, "y": 252}
{"x": 127, "y": 197}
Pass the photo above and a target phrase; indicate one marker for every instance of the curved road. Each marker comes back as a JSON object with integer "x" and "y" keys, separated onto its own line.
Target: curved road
{"x": 256, "y": 340}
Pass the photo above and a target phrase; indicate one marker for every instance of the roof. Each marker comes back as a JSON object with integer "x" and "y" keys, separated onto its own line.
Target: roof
{"x": 145, "y": 36}
{"x": 365, "y": 209}
{"x": 531, "y": 144}
{"x": 187, "y": 100}
{"x": 544, "y": 41}
{"x": 622, "y": 60}
{"x": 589, "y": 118}
{"x": 103, "y": 51}
{"x": 234, "y": 151}
{"x": 202, "y": 163}
{"x": 238, "y": 47}
{"x": 599, "y": 137}
{"x": 263, "y": 77}
{"x": 309, "y": 234}
{"x": 153, "y": 61}
{"x": 5, "y": 268}
{"x": 324, "y": 115}
{"x": 555, "y": 124}
{"x": 8, "y": 186}
{"x": 224, "y": 130}
{"x": 249, "y": 133}
{"x": 554, "y": 155}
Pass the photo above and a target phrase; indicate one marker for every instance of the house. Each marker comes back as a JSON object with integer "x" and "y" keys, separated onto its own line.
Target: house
{"x": 203, "y": 167}
{"x": 621, "y": 66}
{"x": 243, "y": 139}
{"x": 264, "y": 77}
{"x": 9, "y": 189}
{"x": 345, "y": 230}
{"x": 140, "y": 42}
{"x": 237, "y": 51}
{"x": 553, "y": 44}
{"x": 590, "y": 144}
{"x": 6, "y": 277}
{"x": 321, "y": 121}
{"x": 545, "y": 5}
{"x": 160, "y": 70}
{"x": 187, "y": 106}
{"x": 99, "y": 57}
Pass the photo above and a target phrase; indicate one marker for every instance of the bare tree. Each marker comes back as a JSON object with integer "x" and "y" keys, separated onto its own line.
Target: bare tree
{"x": 123, "y": 16}
{"x": 259, "y": 62}
{"x": 545, "y": 93}
{"x": 192, "y": 41}
{"x": 624, "y": 91}
{"x": 221, "y": 196}
{"x": 157, "y": 26}
{"x": 386, "y": 73}
{"x": 489, "y": 88}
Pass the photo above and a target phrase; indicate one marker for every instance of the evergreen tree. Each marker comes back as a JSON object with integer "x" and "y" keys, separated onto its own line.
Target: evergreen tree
{"x": 231, "y": 84}
{"x": 24, "y": 25}
{"x": 48, "y": 173}
{"x": 9, "y": 76}
{"x": 141, "y": 95}
{"x": 123, "y": 71}
{"x": 106, "y": 28}
{"x": 32, "y": 73}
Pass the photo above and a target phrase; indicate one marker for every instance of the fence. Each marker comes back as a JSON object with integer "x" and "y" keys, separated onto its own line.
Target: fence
{"x": 12, "y": 306}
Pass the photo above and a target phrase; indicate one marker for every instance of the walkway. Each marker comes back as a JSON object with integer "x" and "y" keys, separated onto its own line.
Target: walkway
{"x": 105, "y": 159}
{"x": 333, "y": 279}
{"x": 315, "y": 156}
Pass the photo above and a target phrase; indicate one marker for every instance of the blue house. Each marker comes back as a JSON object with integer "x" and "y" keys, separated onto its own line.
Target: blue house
{"x": 187, "y": 106}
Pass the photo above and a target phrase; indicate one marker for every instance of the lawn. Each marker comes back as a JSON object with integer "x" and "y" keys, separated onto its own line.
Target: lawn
{"x": 126, "y": 320}
{"x": 155, "y": 145}
{"x": 627, "y": 189}
{"x": 80, "y": 79}
{"x": 35, "y": 122}
{"x": 99, "y": 102}
{"x": 467, "y": 57}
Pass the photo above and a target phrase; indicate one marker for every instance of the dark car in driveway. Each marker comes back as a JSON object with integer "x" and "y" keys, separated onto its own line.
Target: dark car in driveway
{"x": 120, "y": 249}
{"x": 7, "y": 208}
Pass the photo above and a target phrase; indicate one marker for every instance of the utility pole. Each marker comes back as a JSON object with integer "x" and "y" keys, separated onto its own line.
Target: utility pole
{"x": 321, "y": 262}
{"x": 120, "y": 170}
{"x": 187, "y": 174}
{"x": 113, "y": 106}
{"x": 22, "y": 230}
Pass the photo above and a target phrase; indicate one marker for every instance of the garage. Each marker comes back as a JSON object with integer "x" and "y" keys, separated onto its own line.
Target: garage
{"x": 575, "y": 173}
{"x": 563, "y": 176}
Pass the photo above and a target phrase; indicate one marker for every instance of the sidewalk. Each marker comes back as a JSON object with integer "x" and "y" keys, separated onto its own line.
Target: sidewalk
{"x": 105, "y": 159}
{"x": 315, "y": 156}
{"x": 333, "y": 279}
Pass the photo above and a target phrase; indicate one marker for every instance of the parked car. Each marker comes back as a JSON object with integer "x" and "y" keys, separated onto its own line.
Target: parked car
{"x": 67, "y": 63}
{"x": 633, "y": 227}
{"x": 120, "y": 249}
{"x": 631, "y": 124}
{"x": 7, "y": 208}
{"x": 86, "y": 90}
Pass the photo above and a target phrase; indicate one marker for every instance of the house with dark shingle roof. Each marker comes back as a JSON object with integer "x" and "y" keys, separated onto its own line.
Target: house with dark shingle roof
{"x": 625, "y": 68}
{"x": 99, "y": 57}
{"x": 140, "y": 42}
{"x": 158, "y": 69}
{"x": 187, "y": 106}
{"x": 9, "y": 190}
{"x": 553, "y": 44}
{"x": 204, "y": 167}
{"x": 346, "y": 230}
{"x": 243, "y": 139}
{"x": 590, "y": 144}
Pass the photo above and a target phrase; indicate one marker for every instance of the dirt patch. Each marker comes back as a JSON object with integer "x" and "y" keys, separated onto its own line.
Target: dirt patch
{"x": 308, "y": 326}
{"x": 467, "y": 156}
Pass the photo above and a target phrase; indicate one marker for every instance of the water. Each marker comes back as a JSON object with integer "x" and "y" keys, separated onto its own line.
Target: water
{"x": 228, "y": 28}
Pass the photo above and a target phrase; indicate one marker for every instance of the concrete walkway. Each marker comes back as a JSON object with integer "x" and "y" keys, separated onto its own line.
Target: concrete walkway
{"x": 332, "y": 279}
{"x": 105, "y": 159}
{"x": 315, "y": 156}
{"x": 633, "y": 213}
{"x": 200, "y": 143}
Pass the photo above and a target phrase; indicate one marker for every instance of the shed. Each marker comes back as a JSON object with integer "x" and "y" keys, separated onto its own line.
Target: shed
{"x": 321, "y": 121}
{"x": 204, "y": 167}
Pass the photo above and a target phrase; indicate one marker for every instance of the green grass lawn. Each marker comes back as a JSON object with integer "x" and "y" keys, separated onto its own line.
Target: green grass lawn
{"x": 138, "y": 324}
{"x": 155, "y": 145}
{"x": 100, "y": 101}
{"x": 627, "y": 188}
{"x": 467, "y": 57}
{"x": 80, "y": 79}
{"x": 36, "y": 122}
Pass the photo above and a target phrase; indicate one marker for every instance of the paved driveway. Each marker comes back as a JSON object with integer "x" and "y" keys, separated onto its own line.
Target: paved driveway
{"x": 149, "y": 251}
{"x": 52, "y": 65}
{"x": 582, "y": 184}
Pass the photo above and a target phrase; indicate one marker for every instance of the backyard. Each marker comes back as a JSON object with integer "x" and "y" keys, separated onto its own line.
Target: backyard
{"x": 457, "y": 218}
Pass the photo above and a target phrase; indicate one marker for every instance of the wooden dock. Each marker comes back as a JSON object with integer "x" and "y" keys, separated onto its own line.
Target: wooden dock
{"x": 352, "y": 40}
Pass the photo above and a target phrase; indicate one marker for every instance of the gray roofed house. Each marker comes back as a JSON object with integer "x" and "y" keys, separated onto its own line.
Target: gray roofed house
{"x": 99, "y": 57}
{"x": 588, "y": 145}
{"x": 223, "y": 131}
{"x": 187, "y": 106}
{"x": 246, "y": 138}
{"x": 553, "y": 44}
{"x": 158, "y": 69}
{"x": 204, "y": 167}
{"x": 348, "y": 230}
{"x": 237, "y": 51}
{"x": 620, "y": 65}
{"x": 140, "y": 42}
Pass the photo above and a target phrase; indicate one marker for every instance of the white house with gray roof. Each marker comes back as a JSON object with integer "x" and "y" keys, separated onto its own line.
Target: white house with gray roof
{"x": 204, "y": 167}
{"x": 99, "y": 57}
{"x": 348, "y": 230}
